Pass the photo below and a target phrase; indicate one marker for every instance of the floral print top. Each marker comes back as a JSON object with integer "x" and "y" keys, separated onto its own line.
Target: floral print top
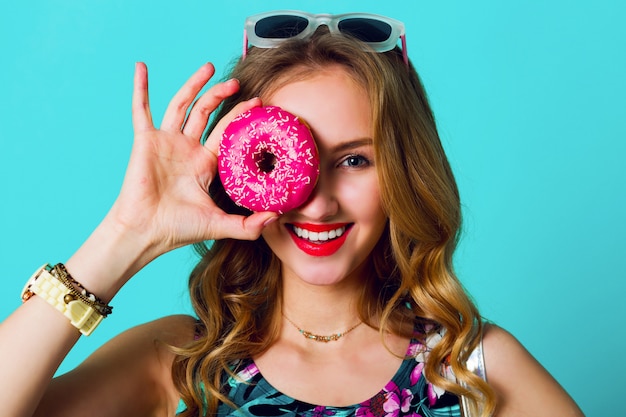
{"x": 407, "y": 394}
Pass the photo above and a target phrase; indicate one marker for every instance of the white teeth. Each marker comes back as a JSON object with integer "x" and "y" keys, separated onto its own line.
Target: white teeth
{"x": 318, "y": 236}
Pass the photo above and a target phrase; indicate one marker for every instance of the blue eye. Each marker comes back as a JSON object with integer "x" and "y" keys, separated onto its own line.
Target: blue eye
{"x": 355, "y": 161}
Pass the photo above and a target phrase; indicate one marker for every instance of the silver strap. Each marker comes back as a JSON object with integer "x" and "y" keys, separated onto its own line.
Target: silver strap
{"x": 476, "y": 364}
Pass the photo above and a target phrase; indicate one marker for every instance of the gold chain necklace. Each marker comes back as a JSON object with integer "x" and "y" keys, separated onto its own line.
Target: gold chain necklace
{"x": 320, "y": 338}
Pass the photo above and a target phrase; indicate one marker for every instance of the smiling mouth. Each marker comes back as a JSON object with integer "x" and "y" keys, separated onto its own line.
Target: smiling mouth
{"x": 319, "y": 239}
{"x": 319, "y": 236}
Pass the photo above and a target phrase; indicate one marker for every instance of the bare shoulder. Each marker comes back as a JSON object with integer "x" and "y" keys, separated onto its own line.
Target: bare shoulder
{"x": 175, "y": 330}
{"x": 158, "y": 337}
{"x": 524, "y": 387}
{"x": 129, "y": 375}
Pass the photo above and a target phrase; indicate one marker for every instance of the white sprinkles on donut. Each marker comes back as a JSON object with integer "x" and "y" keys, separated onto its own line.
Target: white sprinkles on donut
{"x": 268, "y": 160}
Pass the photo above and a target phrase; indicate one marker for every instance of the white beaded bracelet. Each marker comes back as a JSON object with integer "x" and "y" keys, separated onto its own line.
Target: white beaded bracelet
{"x": 65, "y": 298}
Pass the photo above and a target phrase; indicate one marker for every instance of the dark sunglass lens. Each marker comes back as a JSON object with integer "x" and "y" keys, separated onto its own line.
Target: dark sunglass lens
{"x": 281, "y": 27}
{"x": 366, "y": 30}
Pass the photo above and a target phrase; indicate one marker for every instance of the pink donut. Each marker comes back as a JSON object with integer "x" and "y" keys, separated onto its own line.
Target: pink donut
{"x": 268, "y": 160}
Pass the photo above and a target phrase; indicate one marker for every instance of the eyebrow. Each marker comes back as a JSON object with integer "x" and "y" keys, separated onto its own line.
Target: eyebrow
{"x": 353, "y": 144}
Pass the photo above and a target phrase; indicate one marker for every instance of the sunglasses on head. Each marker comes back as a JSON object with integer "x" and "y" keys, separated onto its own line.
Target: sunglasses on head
{"x": 268, "y": 30}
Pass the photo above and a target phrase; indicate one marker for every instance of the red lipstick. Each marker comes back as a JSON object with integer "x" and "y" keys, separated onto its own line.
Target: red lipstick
{"x": 323, "y": 247}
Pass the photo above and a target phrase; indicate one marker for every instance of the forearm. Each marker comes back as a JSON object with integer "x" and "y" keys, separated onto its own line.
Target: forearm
{"x": 109, "y": 258}
{"x": 163, "y": 205}
{"x": 35, "y": 339}
{"x": 33, "y": 342}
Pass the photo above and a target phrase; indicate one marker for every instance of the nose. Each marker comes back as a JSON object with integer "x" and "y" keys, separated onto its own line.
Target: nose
{"x": 322, "y": 203}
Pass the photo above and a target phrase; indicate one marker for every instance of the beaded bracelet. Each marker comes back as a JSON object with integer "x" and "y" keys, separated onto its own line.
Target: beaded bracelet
{"x": 77, "y": 290}
{"x": 54, "y": 285}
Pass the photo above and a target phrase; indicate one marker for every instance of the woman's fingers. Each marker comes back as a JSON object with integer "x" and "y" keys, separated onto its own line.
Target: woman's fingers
{"x": 242, "y": 227}
{"x": 177, "y": 110}
{"x": 142, "y": 118}
{"x": 170, "y": 165}
{"x": 199, "y": 115}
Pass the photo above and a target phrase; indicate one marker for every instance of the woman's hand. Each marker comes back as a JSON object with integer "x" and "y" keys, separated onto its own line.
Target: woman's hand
{"x": 163, "y": 204}
{"x": 164, "y": 197}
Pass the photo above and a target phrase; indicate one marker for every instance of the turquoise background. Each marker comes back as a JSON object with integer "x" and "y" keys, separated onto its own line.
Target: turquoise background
{"x": 530, "y": 98}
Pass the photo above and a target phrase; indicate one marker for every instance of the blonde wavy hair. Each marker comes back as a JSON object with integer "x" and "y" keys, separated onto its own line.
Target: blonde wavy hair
{"x": 236, "y": 288}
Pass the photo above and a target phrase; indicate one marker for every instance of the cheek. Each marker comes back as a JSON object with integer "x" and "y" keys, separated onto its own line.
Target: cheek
{"x": 362, "y": 198}
{"x": 273, "y": 235}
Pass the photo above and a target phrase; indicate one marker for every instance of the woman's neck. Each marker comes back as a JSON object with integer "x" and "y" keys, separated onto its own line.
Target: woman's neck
{"x": 321, "y": 309}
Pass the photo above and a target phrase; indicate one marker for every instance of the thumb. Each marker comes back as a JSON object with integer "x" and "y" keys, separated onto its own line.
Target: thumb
{"x": 247, "y": 228}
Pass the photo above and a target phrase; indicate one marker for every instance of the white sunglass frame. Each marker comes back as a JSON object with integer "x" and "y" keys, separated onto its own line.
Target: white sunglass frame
{"x": 331, "y": 21}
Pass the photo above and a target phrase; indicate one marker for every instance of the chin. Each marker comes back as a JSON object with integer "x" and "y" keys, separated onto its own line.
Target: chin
{"x": 320, "y": 273}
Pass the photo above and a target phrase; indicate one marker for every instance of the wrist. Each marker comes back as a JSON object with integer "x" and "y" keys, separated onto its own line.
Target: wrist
{"x": 61, "y": 291}
{"x": 111, "y": 255}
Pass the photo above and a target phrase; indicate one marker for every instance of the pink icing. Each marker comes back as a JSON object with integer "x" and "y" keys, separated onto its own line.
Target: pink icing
{"x": 268, "y": 160}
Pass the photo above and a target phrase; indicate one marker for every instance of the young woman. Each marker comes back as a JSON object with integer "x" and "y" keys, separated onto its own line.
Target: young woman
{"x": 388, "y": 328}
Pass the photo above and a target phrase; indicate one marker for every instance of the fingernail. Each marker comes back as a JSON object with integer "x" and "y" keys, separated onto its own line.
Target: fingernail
{"x": 270, "y": 221}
